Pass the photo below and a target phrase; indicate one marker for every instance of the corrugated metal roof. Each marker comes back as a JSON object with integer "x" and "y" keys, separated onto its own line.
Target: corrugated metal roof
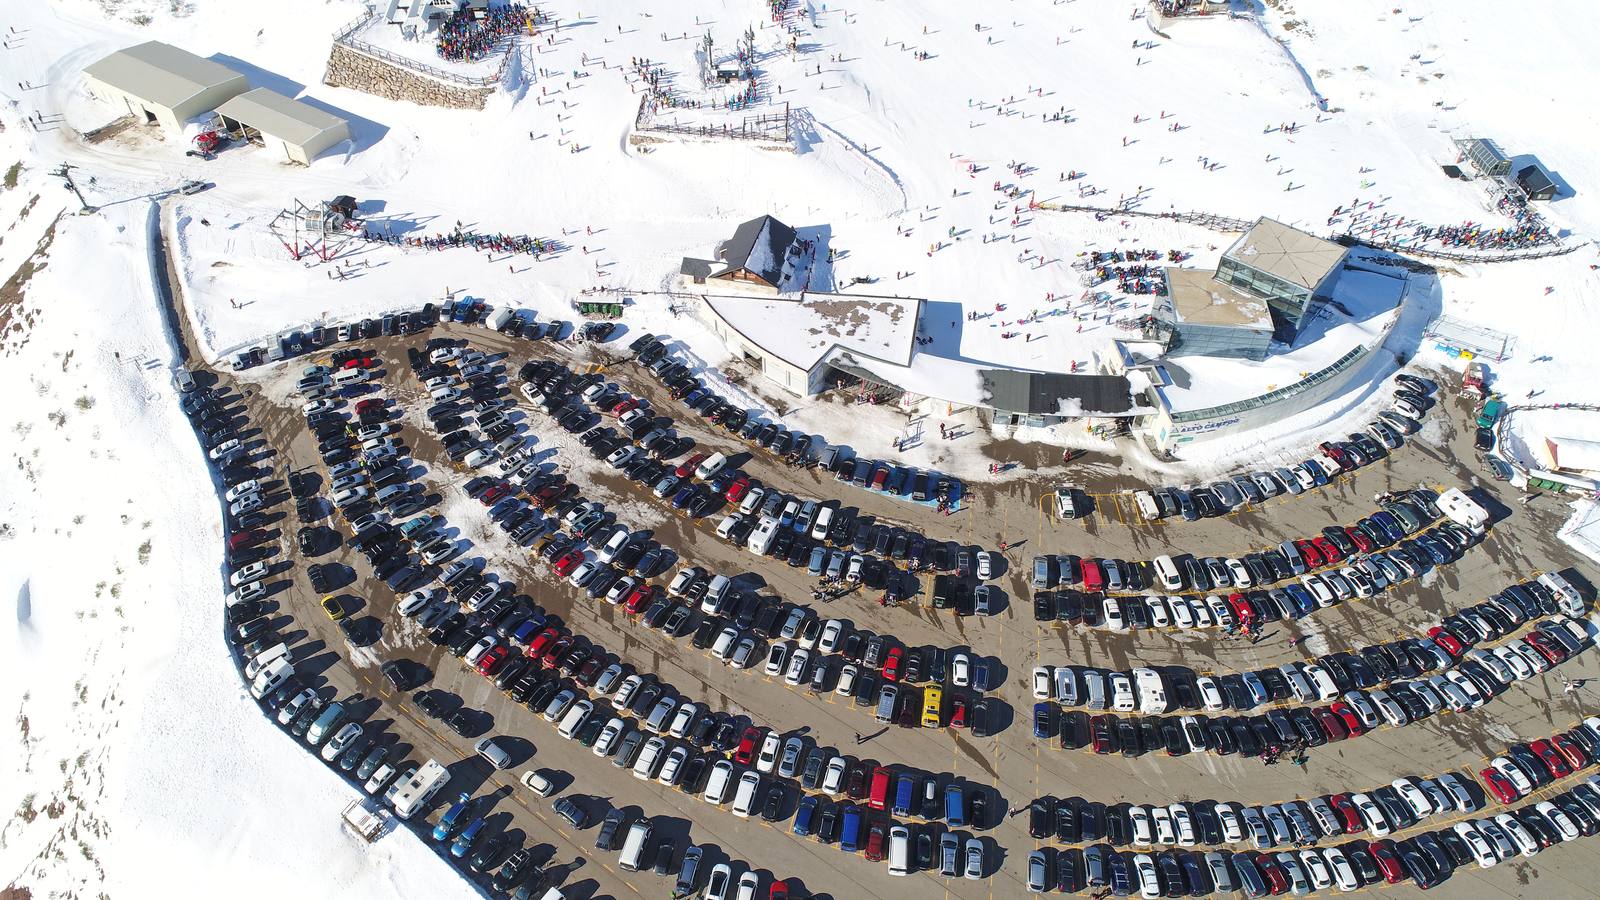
{"x": 282, "y": 117}
{"x": 161, "y": 73}
{"x": 1056, "y": 394}
{"x": 1288, "y": 253}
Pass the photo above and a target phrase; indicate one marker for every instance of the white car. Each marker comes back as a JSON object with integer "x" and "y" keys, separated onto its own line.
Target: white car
{"x": 445, "y": 394}
{"x": 584, "y": 573}
{"x": 484, "y": 645}
{"x": 799, "y": 661}
{"x": 728, "y": 524}
{"x": 832, "y": 634}
{"x": 341, "y": 741}
{"x": 622, "y": 456}
{"x": 833, "y": 777}
{"x": 961, "y": 670}
{"x": 251, "y": 486}
{"x": 1042, "y": 681}
{"x": 223, "y": 449}
{"x": 253, "y": 572}
{"x": 1111, "y": 610}
{"x": 246, "y": 503}
{"x": 416, "y": 601}
{"x": 444, "y": 354}
{"x": 768, "y": 757}
{"x": 609, "y": 736}
{"x": 985, "y": 565}
{"x": 313, "y": 407}
{"x": 1210, "y": 693}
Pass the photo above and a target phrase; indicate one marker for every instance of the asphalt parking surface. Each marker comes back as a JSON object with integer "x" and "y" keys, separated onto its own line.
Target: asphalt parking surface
{"x": 1012, "y": 765}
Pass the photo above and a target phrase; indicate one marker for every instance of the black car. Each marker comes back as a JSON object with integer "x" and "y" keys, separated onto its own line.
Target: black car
{"x": 488, "y": 853}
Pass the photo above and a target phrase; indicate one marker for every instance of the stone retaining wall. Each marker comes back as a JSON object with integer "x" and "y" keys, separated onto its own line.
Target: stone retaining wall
{"x": 352, "y": 69}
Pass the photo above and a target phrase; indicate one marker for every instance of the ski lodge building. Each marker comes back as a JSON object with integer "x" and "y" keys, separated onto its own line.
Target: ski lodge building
{"x": 292, "y": 130}
{"x": 159, "y": 84}
{"x": 1286, "y": 267}
{"x": 756, "y": 258}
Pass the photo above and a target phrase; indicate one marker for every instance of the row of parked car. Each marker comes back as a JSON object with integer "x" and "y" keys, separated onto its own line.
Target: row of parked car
{"x": 1528, "y": 767}
{"x": 1385, "y": 434}
{"x": 907, "y": 482}
{"x": 1427, "y": 859}
{"x": 1352, "y": 712}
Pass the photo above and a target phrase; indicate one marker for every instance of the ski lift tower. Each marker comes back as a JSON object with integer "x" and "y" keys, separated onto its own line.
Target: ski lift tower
{"x": 321, "y": 230}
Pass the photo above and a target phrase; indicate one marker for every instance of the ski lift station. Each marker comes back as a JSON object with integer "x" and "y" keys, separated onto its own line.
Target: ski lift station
{"x": 159, "y": 84}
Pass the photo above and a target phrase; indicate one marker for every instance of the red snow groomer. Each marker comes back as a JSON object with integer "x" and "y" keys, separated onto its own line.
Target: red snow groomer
{"x": 206, "y": 144}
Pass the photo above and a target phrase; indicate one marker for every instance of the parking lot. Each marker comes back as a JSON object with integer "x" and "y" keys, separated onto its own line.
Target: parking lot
{"x": 1010, "y": 767}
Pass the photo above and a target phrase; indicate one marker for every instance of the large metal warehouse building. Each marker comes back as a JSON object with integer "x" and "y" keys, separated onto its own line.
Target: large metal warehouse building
{"x": 161, "y": 84}
{"x": 286, "y": 127}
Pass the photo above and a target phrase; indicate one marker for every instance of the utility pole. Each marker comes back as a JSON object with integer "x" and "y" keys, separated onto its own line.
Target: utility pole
{"x": 65, "y": 173}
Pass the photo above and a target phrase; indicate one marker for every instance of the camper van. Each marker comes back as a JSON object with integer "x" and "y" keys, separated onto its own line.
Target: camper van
{"x": 415, "y": 793}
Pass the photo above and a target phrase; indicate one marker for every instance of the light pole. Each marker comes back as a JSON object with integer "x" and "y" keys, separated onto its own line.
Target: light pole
{"x": 64, "y": 171}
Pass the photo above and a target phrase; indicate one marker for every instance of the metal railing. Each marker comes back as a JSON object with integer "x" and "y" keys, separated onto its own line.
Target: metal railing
{"x": 344, "y": 37}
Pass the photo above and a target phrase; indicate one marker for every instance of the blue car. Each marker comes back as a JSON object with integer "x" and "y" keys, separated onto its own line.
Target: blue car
{"x": 804, "y": 814}
{"x": 447, "y": 822}
{"x": 524, "y": 632}
{"x": 684, "y": 495}
{"x": 1391, "y": 527}
{"x": 1302, "y": 598}
{"x": 1041, "y": 719}
{"x": 465, "y": 840}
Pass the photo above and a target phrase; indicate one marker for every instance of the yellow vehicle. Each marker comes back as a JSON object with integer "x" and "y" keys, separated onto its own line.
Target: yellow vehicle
{"x": 932, "y": 707}
{"x": 332, "y": 606}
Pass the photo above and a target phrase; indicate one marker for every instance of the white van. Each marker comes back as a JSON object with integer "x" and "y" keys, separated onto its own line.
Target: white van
{"x": 272, "y": 677}
{"x": 478, "y": 457}
{"x": 711, "y": 466}
{"x": 761, "y": 539}
{"x": 900, "y": 850}
{"x": 574, "y": 719}
{"x": 1145, "y": 501}
{"x": 266, "y": 658}
{"x": 349, "y": 496}
{"x": 1167, "y": 573}
{"x": 819, "y": 528}
{"x": 346, "y": 377}
{"x": 718, "y": 784}
{"x": 744, "y": 801}
{"x": 716, "y": 592}
{"x": 1152, "y": 693}
{"x": 633, "y": 846}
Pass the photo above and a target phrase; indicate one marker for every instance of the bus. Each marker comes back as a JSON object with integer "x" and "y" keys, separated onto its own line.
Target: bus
{"x": 415, "y": 793}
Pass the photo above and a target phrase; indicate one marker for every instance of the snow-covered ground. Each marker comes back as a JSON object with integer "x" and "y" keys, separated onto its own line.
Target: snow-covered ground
{"x": 140, "y": 762}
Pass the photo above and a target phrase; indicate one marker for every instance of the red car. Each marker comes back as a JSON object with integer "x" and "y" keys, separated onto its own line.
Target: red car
{"x": 1447, "y": 642}
{"x": 492, "y": 660}
{"x": 880, "y": 478}
{"x": 242, "y": 539}
{"x": 1268, "y": 864}
{"x": 891, "y": 664}
{"x": 1331, "y": 723}
{"x": 494, "y": 494}
{"x": 371, "y": 404}
{"x": 746, "y": 750}
{"x": 687, "y": 467}
{"x": 1571, "y": 750}
{"x": 626, "y": 404}
{"x": 360, "y": 362}
{"x": 567, "y": 563}
{"x": 1349, "y": 816}
{"x": 738, "y": 489}
{"x": 556, "y": 651}
{"x": 1547, "y": 648}
{"x": 541, "y": 642}
{"x": 780, "y": 891}
{"x": 1241, "y": 609}
{"x": 878, "y": 794}
{"x": 1552, "y": 759}
{"x": 1500, "y": 786}
{"x": 1383, "y": 853}
{"x": 958, "y": 712}
{"x": 640, "y": 598}
{"x": 1360, "y": 539}
{"x": 1102, "y": 730}
{"x": 1094, "y": 578}
{"x": 1330, "y": 553}
{"x": 1310, "y": 553}
{"x": 1352, "y": 722}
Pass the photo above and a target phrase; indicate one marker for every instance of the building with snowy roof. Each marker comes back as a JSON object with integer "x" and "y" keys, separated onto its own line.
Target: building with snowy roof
{"x": 1572, "y": 455}
{"x": 756, "y": 258}
{"x": 160, "y": 84}
{"x": 797, "y": 343}
{"x": 290, "y": 129}
{"x": 1211, "y": 318}
{"x": 1286, "y": 267}
{"x": 1045, "y": 398}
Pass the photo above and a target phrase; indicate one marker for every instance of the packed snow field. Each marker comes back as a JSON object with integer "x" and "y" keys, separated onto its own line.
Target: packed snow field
{"x": 141, "y": 768}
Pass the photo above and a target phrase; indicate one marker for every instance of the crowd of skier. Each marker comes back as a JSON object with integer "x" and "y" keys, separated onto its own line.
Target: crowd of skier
{"x": 498, "y": 242}
{"x": 468, "y": 35}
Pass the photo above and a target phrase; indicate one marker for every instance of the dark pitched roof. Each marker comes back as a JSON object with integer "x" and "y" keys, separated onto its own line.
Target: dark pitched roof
{"x": 759, "y": 245}
{"x": 1056, "y": 394}
{"x": 696, "y": 268}
{"x": 1534, "y": 180}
